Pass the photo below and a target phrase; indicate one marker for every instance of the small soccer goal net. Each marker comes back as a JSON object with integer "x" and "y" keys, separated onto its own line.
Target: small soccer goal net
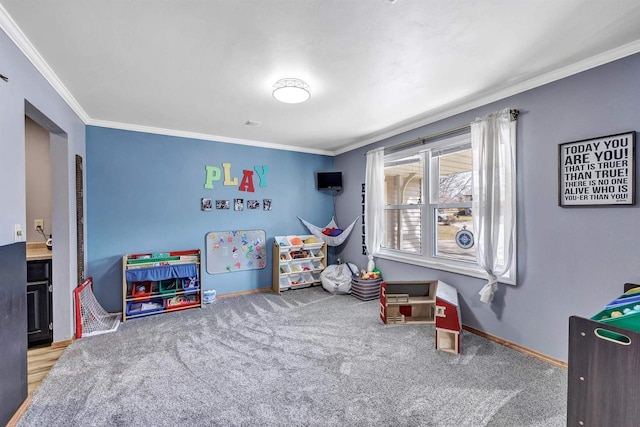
{"x": 91, "y": 318}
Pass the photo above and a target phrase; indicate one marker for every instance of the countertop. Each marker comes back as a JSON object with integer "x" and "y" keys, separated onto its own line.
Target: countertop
{"x": 37, "y": 251}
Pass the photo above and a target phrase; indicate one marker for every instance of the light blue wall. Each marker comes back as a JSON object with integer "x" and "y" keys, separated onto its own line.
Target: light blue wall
{"x": 571, "y": 261}
{"x": 144, "y": 191}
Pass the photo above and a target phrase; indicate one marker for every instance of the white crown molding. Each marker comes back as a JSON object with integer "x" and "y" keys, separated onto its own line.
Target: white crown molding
{"x": 476, "y": 101}
{"x": 8, "y": 25}
{"x": 14, "y": 32}
{"x": 205, "y": 137}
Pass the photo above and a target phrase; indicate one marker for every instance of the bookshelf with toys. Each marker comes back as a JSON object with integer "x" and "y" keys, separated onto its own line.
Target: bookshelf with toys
{"x": 161, "y": 282}
{"x": 297, "y": 262}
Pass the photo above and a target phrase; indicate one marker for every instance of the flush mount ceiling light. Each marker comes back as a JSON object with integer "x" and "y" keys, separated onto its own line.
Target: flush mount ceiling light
{"x": 291, "y": 91}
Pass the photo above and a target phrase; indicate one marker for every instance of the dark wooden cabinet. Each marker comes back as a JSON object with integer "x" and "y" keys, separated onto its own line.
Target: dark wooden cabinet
{"x": 39, "y": 299}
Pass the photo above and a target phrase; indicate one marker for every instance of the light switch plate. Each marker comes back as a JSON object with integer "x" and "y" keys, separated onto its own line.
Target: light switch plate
{"x": 18, "y": 234}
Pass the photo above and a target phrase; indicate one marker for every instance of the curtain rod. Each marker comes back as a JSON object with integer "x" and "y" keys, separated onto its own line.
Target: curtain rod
{"x": 424, "y": 139}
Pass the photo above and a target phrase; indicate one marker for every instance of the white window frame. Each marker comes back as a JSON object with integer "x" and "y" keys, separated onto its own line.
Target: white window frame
{"x": 429, "y": 205}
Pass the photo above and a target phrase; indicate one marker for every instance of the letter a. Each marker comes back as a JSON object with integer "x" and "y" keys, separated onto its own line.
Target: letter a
{"x": 247, "y": 181}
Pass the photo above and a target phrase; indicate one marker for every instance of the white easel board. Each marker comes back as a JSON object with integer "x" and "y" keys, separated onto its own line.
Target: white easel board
{"x": 236, "y": 250}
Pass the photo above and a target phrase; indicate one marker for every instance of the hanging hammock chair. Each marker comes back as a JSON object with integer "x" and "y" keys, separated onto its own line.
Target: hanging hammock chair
{"x": 335, "y": 236}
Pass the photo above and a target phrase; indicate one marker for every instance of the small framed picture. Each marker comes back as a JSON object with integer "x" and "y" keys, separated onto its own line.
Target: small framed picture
{"x": 238, "y": 204}
{"x": 222, "y": 204}
{"x": 266, "y": 204}
{"x": 205, "y": 204}
{"x": 253, "y": 204}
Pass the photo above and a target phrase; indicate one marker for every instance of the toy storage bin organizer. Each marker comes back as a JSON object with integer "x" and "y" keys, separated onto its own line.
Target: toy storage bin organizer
{"x": 297, "y": 262}
{"x": 159, "y": 282}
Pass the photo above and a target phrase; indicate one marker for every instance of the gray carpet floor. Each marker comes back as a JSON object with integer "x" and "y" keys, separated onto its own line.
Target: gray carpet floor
{"x": 307, "y": 358}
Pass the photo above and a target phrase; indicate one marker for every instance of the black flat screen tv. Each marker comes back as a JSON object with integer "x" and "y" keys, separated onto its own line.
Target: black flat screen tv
{"x": 329, "y": 180}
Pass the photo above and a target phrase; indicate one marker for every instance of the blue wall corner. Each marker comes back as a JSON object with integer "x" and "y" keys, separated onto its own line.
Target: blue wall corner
{"x": 144, "y": 191}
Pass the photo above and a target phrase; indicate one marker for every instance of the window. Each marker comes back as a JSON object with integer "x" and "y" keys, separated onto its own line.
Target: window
{"x": 428, "y": 200}
{"x": 403, "y": 204}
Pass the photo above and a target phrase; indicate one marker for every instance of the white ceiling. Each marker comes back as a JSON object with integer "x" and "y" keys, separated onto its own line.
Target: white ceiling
{"x": 375, "y": 67}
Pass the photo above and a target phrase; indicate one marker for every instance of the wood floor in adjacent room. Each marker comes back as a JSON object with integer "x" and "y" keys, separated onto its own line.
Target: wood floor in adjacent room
{"x": 40, "y": 360}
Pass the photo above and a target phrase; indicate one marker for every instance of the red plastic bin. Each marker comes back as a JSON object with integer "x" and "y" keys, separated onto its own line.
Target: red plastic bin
{"x": 141, "y": 290}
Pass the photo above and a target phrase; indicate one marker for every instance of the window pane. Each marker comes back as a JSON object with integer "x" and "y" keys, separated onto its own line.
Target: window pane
{"x": 403, "y": 230}
{"x": 454, "y": 189}
{"x": 403, "y": 181}
{"x": 448, "y": 222}
{"x": 455, "y": 177}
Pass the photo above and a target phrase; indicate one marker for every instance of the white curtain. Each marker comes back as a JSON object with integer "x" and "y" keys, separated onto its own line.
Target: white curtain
{"x": 374, "y": 202}
{"x": 493, "y": 139}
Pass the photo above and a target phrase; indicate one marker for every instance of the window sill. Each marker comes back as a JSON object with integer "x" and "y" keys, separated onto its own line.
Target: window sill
{"x": 443, "y": 265}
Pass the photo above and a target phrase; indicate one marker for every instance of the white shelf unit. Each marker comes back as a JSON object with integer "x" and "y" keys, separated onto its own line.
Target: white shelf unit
{"x": 297, "y": 265}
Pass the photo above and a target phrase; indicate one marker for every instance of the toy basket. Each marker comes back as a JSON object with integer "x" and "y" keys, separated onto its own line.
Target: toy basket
{"x": 168, "y": 287}
{"x": 141, "y": 291}
{"x": 180, "y": 301}
{"x": 139, "y": 307}
{"x": 624, "y": 316}
{"x": 190, "y": 285}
